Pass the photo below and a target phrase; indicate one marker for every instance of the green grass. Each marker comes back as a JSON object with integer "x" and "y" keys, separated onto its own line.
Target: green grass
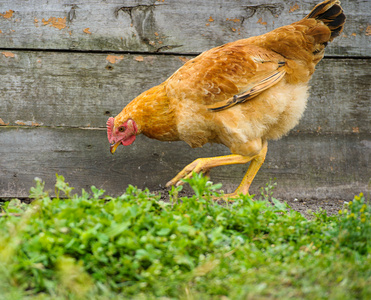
{"x": 93, "y": 246}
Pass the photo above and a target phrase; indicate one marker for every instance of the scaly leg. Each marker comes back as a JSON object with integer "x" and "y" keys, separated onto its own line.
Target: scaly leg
{"x": 205, "y": 164}
{"x": 253, "y": 169}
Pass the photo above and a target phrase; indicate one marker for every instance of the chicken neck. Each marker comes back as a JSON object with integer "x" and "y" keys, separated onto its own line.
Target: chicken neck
{"x": 153, "y": 114}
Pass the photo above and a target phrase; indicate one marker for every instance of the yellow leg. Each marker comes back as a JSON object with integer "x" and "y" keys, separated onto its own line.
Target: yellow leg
{"x": 205, "y": 164}
{"x": 253, "y": 169}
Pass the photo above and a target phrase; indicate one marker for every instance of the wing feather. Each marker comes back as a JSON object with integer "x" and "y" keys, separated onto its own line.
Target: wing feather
{"x": 257, "y": 88}
{"x": 227, "y": 75}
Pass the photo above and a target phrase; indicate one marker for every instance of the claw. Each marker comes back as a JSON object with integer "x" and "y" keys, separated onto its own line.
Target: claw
{"x": 196, "y": 166}
{"x": 176, "y": 183}
{"x": 170, "y": 183}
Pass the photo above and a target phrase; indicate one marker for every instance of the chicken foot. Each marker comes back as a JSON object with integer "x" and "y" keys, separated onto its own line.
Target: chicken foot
{"x": 205, "y": 164}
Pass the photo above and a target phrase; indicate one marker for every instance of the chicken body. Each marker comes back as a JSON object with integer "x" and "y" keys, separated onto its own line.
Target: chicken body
{"x": 206, "y": 83}
{"x": 240, "y": 94}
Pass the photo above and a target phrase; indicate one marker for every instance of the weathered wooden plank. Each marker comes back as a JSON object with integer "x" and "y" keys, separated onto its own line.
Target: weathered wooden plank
{"x": 71, "y": 89}
{"x": 182, "y": 26}
{"x": 305, "y": 165}
{"x": 81, "y": 89}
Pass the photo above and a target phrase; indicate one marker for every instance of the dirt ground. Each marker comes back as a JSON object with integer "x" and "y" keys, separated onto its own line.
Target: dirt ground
{"x": 304, "y": 206}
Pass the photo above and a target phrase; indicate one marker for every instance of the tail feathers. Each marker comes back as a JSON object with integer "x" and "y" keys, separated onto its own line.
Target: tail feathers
{"x": 331, "y": 14}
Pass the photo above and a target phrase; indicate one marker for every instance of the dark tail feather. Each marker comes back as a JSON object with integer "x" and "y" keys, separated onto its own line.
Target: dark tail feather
{"x": 331, "y": 14}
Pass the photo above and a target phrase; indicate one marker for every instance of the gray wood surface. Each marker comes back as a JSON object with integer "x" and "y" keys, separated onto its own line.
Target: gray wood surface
{"x": 305, "y": 165}
{"x": 180, "y": 26}
{"x": 80, "y": 89}
{"x": 65, "y": 67}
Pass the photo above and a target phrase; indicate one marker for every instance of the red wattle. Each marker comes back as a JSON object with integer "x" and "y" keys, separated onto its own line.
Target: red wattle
{"x": 129, "y": 141}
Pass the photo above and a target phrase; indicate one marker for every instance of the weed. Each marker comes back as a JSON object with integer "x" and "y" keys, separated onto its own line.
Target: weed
{"x": 136, "y": 246}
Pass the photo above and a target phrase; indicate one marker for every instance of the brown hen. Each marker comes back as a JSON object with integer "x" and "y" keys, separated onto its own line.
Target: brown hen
{"x": 241, "y": 94}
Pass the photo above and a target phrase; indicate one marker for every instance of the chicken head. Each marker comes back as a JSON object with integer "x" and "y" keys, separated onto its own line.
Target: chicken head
{"x": 124, "y": 134}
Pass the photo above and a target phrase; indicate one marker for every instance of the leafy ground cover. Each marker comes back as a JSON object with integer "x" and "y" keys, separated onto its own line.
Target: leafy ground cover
{"x": 136, "y": 246}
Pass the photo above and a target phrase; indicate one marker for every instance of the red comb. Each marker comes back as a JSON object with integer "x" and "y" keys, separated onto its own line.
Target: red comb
{"x": 110, "y": 124}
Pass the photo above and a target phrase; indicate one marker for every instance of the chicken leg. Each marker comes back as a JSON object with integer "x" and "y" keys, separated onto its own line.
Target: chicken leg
{"x": 205, "y": 164}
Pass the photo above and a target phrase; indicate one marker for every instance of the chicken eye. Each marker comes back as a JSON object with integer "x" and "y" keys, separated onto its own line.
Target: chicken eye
{"x": 122, "y": 129}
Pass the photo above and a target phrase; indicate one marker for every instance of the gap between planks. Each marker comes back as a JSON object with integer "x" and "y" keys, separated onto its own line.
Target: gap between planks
{"x": 190, "y": 54}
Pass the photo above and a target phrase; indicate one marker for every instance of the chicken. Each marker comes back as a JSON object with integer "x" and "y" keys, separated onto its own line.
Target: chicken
{"x": 241, "y": 94}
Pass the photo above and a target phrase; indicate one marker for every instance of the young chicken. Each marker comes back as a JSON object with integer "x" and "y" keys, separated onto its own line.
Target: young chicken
{"x": 241, "y": 94}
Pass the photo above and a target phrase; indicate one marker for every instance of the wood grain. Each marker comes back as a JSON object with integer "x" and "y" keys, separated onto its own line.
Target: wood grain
{"x": 83, "y": 90}
{"x": 180, "y": 26}
{"x": 305, "y": 165}
{"x": 66, "y": 67}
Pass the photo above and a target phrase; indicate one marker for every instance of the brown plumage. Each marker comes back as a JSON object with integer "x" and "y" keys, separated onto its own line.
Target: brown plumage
{"x": 241, "y": 94}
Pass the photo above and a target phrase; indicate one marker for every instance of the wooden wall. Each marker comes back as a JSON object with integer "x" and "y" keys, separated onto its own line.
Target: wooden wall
{"x": 66, "y": 66}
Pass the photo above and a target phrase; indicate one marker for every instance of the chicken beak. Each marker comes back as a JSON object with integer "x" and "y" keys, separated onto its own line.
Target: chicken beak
{"x": 113, "y": 147}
